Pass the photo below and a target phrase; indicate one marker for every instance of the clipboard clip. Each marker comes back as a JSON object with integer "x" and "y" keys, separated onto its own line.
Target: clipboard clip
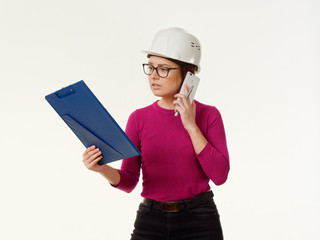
{"x": 65, "y": 92}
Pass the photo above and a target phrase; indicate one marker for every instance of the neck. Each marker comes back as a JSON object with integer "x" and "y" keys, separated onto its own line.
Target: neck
{"x": 166, "y": 103}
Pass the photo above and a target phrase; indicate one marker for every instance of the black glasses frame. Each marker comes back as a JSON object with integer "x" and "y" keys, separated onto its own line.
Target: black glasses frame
{"x": 156, "y": 68}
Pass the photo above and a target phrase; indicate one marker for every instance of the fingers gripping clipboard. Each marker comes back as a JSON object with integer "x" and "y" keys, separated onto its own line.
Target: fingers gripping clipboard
{"x": 91, "y": 122}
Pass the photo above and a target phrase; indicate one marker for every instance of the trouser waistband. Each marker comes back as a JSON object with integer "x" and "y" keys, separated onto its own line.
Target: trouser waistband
{"x": 178, "y": 206}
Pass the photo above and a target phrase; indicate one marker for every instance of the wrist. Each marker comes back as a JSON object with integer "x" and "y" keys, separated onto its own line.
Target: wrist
{"x": 198, "y": 140}
{"x": 193, "y": 129}
{"x": 111, "y": 174}
{"x": 103, "y": 169}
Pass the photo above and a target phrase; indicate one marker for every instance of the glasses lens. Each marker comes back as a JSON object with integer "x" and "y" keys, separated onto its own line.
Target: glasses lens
{"x": 148, "y": 69}
{"x": 163, "y": 71}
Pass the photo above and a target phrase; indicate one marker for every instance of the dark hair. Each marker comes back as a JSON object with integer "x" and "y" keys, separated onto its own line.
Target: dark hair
{"x": 184, "y": 67}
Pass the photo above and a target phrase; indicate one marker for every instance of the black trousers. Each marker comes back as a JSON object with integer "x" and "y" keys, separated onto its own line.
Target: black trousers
{"x": 199, "y": 223}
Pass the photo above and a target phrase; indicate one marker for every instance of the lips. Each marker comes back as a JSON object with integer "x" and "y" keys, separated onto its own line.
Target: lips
{"x": 155, "y": 86}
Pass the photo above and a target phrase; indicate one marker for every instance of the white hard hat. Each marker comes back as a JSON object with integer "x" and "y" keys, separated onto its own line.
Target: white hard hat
{"x": 178, "y": 44}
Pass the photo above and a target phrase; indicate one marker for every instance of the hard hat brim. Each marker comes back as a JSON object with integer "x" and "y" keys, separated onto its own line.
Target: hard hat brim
{"x": 157, "y": 54}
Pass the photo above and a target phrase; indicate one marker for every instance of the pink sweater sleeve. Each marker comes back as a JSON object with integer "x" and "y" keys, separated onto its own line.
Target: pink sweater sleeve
{"x": 130, "y": 168}
{"x": 214, "y": 158}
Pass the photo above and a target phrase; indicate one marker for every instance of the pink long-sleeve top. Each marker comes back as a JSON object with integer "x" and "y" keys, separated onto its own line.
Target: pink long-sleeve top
{"x": 171, "y": 170}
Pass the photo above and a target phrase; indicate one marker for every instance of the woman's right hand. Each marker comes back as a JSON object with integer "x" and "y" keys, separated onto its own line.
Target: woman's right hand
{"x": 91, "y": 157}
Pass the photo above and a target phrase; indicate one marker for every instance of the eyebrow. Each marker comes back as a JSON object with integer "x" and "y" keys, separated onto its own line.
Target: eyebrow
{"x": 160, "y": 65}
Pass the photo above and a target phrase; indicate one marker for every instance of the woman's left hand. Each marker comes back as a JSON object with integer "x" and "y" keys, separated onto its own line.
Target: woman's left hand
{"x": 186, "y": 110}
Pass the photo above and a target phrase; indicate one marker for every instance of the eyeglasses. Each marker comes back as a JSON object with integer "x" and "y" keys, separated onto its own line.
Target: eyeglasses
{"x": 161, "y": 71}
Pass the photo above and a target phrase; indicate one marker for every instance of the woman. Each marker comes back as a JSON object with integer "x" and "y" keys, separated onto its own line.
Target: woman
{"x": 179, "y": 155}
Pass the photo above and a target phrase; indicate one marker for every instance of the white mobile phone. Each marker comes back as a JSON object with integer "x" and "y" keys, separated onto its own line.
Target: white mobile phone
{"x": 192, "y": 82}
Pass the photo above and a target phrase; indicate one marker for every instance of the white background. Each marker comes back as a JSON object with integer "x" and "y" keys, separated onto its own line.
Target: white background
{"x": 260, "y": 68}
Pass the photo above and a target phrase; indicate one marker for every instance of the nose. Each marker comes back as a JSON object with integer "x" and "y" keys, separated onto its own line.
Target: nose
{"x": 154, "y": 75}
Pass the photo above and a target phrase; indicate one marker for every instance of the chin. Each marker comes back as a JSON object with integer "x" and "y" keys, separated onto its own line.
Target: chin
{"x": 161, "y": 93}
{"x": 157, "y": 94}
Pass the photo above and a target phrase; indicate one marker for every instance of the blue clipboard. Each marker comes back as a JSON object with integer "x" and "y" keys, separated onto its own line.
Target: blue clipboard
{"x": 91, "y": 123}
